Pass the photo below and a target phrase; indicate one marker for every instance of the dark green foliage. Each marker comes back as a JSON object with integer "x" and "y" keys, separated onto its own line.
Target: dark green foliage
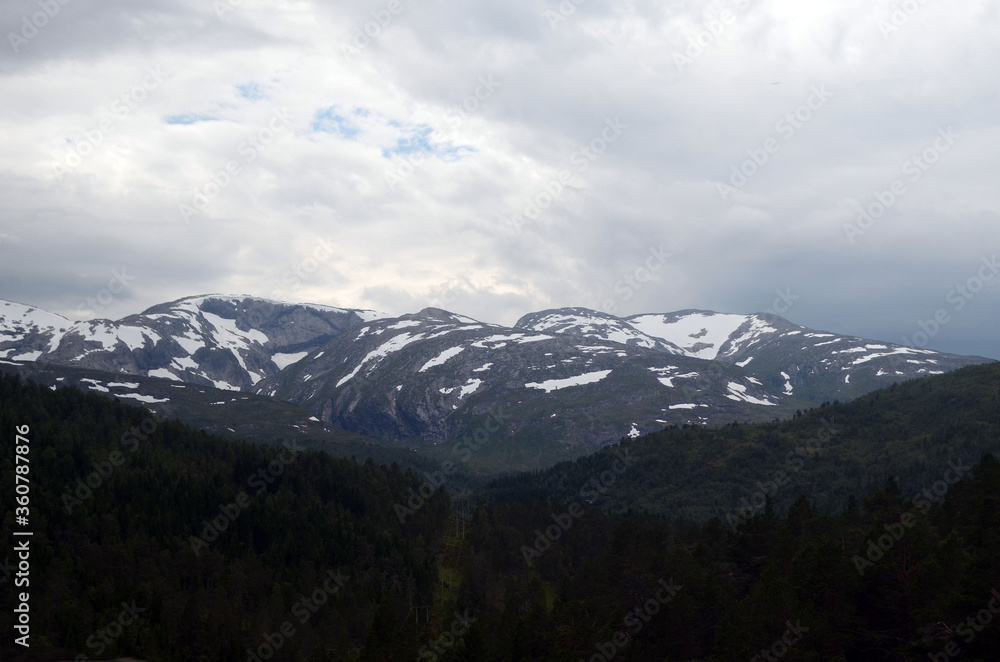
{"x": 908, "y": 432}
{"x": 131, "y": 539}
{"x": 807, "y": 559}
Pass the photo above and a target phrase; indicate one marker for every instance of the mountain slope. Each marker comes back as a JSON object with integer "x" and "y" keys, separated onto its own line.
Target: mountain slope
{"x": 26, "y": 332}
{"x": 223, "y": 341}
{"x": 913, "y": 432}
{"x": 814, "y": 365}
{"x": 558, "y": 385}
{"x": 431, "y": 377}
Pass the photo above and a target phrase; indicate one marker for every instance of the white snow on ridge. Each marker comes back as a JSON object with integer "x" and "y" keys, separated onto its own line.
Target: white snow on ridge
{"x": 470, "y": 387}
{"x": 602, "y": 328}
{"x": 788, "y": 383}
{"x": 404, "y": 324}
{"x": 124, "y": 384}
{"x": 452, "y": 329}
{"x": 142, "y": 398}
{"x": 234, "y": 339}
{"x": 27, "y": 356}
{"x": 95, "y": 385}
{"x": 712, "y": 329}
{"x": 662, "y": 375}
{"x": 394, "y": 344}
{"x": 898, "y": 350}
{"x": 442, "y": 357}
{"x": 486, "y": 366}
{"x": 18, "y": 314}
{"x": 555, "y": 384}
{"x": 501, "y": 338}
{"x": 285, "y": 360}
{"x": 135, "y": 337}
{"x": 521, "y": 341}
{"x": 757, "y": 327}
{"x": 739, "y": 393}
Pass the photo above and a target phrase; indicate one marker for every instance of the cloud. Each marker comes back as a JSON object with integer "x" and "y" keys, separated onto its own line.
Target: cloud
{"x": 417, "y": 154}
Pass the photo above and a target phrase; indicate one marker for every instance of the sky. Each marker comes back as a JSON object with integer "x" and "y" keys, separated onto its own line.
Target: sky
{"x": 834, "y": 163}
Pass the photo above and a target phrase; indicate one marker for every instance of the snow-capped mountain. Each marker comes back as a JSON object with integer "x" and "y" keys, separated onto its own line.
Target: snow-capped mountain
{"x": 228, "y": 342}
{"x": 26, "y": 332}
{"x": 438, "y": 377}
{"x": 554, "y": 386}
{"x": 794, "y": 359}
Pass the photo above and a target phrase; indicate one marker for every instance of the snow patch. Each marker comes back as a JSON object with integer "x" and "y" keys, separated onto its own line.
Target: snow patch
{"x": 739, "y": 393}
{"x": 148, "y": 399}
{"x": 285, "y": 360}
{"x": 709, "y": 329}
{"x": 441, "y": 358}
{"x": 95, "y": 385}
{"x": 555, "y": 384}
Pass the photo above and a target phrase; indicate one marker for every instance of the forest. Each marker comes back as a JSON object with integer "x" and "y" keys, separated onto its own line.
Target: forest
{"x": 157, "y": 541}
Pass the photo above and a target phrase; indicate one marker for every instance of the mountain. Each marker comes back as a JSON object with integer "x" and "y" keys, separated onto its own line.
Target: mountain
{"x": 514, "y": 399}
{"x": 26, "y": 332}
{"x": 557, "y": 385}
{"x": 799, "y": 361}
{"x": 913, "y": 433}
{"x": 227, "y": 342}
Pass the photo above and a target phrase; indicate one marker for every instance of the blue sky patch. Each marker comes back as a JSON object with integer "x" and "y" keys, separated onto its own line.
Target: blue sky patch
{"x": 329, "y": 120}
{"x": 189, "y": 118}
{"x": 251, "y": 91}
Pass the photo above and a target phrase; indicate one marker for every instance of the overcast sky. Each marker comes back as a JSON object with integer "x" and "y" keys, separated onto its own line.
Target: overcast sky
{"x": 496, "y": 158}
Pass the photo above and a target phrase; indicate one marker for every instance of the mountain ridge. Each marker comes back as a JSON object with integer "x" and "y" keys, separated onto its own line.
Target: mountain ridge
{"x": 567, "y": 380}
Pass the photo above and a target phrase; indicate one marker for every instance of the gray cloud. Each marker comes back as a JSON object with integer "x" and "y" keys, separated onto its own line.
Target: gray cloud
{"x": 447, "y": 232}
